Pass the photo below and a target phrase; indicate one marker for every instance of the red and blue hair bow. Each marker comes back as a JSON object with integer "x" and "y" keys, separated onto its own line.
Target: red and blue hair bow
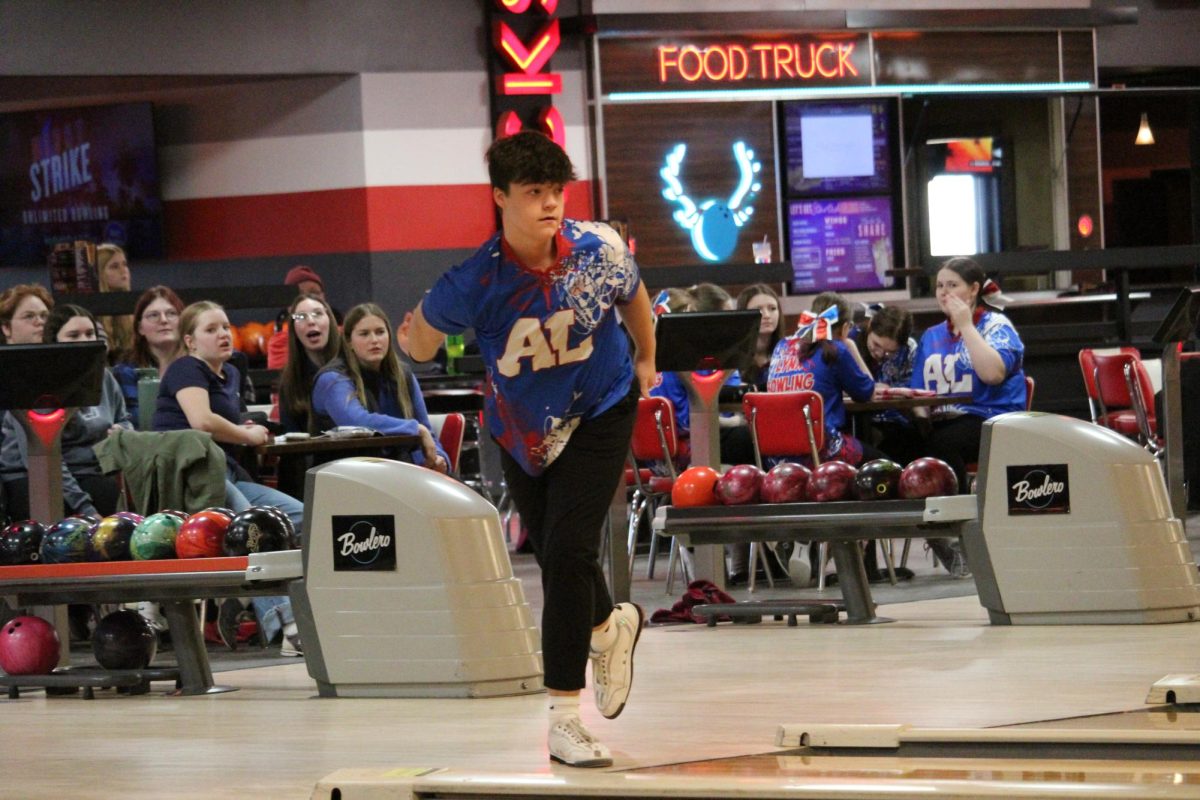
{"x": 817, "y": 326}
{"x": 661, "y": 304}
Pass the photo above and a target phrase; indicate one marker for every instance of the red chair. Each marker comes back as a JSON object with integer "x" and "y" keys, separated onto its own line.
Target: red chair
{"x": 654, "y": 441}
{"x": 1030, "y": 385}
{"x": 1126, "y": 398}
{"x": 1087, "y": 365}
{"x": 450, "y": 436}
{"x": 785, "y": 424}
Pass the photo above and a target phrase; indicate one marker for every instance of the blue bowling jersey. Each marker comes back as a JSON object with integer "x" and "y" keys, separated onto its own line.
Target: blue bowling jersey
{"x": 551, "y": 344}
{"x": 789, "y": 373}
{"x": 943, "y": 365}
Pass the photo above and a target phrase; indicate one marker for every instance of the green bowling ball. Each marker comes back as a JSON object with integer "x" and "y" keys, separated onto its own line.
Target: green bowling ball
{"x": 154, "y": 537}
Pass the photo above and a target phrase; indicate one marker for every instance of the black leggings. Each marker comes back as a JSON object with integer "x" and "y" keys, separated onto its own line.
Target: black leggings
{"x": 956, "y": 441}
{"x": 102, "y": 488}
{"x": 564, "y": 510}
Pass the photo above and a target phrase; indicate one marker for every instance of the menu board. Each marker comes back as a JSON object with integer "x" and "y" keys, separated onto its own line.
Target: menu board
{"x": 841, "y": 244}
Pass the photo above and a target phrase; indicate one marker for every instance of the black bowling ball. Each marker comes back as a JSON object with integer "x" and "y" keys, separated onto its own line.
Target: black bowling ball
{"x": 260, "y": 529}
{"x": 21, "y": 543}
{"x": 124, "y": 640}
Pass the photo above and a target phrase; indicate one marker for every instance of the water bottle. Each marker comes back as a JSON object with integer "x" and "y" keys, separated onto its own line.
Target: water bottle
{"x": 455, "y": 347}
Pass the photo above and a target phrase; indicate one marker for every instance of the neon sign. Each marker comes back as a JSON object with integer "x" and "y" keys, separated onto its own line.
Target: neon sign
{"x": 526, "y": 64}
{"x": 713, "y": 224}
{"x": 764, "y": 61}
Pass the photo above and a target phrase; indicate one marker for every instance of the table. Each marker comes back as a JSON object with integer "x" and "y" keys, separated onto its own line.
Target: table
{"x": 294, "y": 455}
{"x": 905, "y": 405}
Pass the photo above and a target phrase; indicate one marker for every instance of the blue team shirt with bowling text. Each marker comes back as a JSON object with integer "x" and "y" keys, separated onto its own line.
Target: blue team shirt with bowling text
{"x": 789, "y": 373}
{"x": 553, "y": 349}
{"x": 943, "y": 365}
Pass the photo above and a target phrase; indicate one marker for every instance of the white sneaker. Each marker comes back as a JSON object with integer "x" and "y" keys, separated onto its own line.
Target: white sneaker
{"x": 291, "y": 646}
{"x": 150, "y": 612}
{"x": 800, "y": 566}
{"x": 612, "y": 669}
{"x": 572, "y": 744}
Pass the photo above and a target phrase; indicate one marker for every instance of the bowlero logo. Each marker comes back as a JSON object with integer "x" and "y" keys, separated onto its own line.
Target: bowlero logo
{"x": 1039, "y": 489}
{"x": 364, "y": 543}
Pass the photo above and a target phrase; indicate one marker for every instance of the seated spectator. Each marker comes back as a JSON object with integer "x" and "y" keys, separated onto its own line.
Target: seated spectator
{"x": 886, "y": 344}
{"x": 112, "y": 272}
{"x": 24, "y": 309}
{"x": 370, "y": 387}
{"x": 200, "y": 390}
{"x": 313, "y": 342}
{"x": 86, "y": 490}
{"x": 307, "y": 282}
{"x": 763, "y": 299}
{"x": 820, "y": 357}
{"x": 155, "y": 341}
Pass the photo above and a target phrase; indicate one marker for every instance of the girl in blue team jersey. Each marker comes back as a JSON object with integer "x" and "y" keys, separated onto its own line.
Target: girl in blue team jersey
{"x": 819, "y": 357}
{"x": 976, "y": 352}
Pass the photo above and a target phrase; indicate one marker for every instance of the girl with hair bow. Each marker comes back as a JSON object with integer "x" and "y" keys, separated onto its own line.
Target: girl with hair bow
{"x": 820, "y": 357}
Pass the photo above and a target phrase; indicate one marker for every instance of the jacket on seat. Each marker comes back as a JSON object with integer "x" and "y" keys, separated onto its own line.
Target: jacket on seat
{"x": 184, "y": 470}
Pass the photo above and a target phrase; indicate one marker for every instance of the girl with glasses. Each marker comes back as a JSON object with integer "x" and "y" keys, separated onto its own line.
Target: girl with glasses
{"x": 313, "y": 341}
{"x": 156, "y": 342}
{"x": 24, "y": 309}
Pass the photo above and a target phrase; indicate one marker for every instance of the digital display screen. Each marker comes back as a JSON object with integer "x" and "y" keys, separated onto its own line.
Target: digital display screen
{"x": 80, "y": 173}
{"x": 841, "y": 244}
{"x": 981, "y": 155}
{"x": 836, "y": 148}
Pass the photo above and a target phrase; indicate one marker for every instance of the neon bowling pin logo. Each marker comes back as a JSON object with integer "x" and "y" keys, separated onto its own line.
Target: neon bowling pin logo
{"x": 714, "y": 225}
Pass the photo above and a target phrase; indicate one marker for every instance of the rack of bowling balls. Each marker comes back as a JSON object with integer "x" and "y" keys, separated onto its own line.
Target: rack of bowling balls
{"x": 123, "y": 642}
{"x": 830, "y": 482}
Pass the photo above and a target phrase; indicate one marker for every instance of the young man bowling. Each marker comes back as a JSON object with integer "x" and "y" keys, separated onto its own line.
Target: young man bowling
{"x": 563, "y": 392}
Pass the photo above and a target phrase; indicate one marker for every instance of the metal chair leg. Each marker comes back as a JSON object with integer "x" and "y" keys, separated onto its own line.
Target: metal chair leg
{"x": 904, "y": 552}
{"x": 886, "y": 544}
{"x": 823, "y": 561}
{"x": 636, "y": 508}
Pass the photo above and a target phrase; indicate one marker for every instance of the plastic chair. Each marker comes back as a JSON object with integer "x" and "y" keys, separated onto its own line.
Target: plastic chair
{"x": 774, "y": 419}
{"x": 450, "y": 436}
{"x": 1087, "y": 365}
{"x": 656, "y": 441}
{"x": 1126, "y": 395}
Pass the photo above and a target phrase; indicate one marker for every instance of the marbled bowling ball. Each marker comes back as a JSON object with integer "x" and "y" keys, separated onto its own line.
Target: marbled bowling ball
{"x": 878, "y": 480}
{"x": 108, "y": 539}
{"x": 174, "y": 512}
{"x": 786, "y": 483}
{"x": 202, "y": 535}
{"x": 832, "y": 482}
{"x": 21, "y": 543}
{"x": 130, "y": 515}
{"x": 261, "y": 529}
{"x": 124, "y": 640}
{"x": 927, "y": 477}
{"x": 740, "y": 485}
{"x": 154, "y": 537}
{"x": 66, "y": 541}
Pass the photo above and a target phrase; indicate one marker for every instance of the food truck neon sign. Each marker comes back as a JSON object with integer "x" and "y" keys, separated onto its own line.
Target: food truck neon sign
{"x": 529, "y": 61}
{"x": 764, "y": 61}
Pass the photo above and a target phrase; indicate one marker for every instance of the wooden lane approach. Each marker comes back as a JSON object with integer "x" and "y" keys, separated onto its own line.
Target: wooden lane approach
{"x": 841, "y": 524}
{"x": 175, "y": 584}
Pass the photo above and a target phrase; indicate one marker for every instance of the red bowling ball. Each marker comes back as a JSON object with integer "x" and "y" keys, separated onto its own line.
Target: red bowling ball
{"x": 831, "y": 482}
{"x": 28, "y": 646}
{"x": 740, "y": 485}
{"x": 202, "y": 535}
{"x": 694, "y": 487}
{"x": 927, "y": 477}
{"x": 786, "y": 483}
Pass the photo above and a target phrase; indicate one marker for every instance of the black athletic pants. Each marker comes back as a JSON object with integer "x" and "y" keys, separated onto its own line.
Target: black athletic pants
{"x": 956, "y": 441}
{"x": 564, "y": 510}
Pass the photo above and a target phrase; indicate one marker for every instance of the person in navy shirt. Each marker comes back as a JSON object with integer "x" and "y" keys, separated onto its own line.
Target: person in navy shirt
{"x": 368, "y": 386}
{"x": 562, "y": 393}
{"x": 820, "y": 358}
{"x": 886, "y": 344}
{"x": 200, "y": 390}
{"x": 976, "y": 352}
